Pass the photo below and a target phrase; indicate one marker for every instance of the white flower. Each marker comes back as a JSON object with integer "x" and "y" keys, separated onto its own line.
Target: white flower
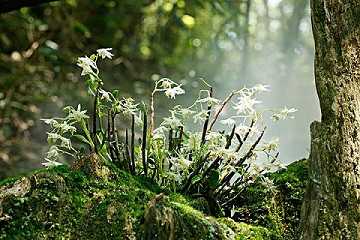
{"x": 184, "y": 112}
{"x": 159, "y": 133}
{"x": 230, "y": 122}
{"x": 53, "y": 152}
{"x": 246, "y": 104}
{"x": 50, "y": 121}
{"x": 127, "y": 106}
{"x": 272, "y": 145}
{"x": 54, "y": 136}
{"x": 65, "y": 143}
{"x": 105, "y": 95}
{"x": 172, "y": 122}
{"x": 166, "y": 83}
{"x": 261, "y": 88}
{"x": 283, "y": 114}
{"x": 105, "y": 53}
{"x": 200, "y": 116}
{"x": 76, "y": 115}
{"x": 268, "y": 183}
{"x": 50, "y": 163}
{"x": 172, "y": 92}
{"x": 209, "y": 100}
{"x": 87, "y": 65}
{"x": 215, "y": 139}
{"x": 65, "y": 127}
{"x": 242, "y": 129}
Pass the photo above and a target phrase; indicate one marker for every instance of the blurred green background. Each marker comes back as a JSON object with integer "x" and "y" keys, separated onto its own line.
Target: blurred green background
{"x": 230, "y": 43}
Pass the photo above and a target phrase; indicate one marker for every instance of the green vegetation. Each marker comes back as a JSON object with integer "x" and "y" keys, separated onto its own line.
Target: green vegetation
{"x": 125, "y": 160}
{"x": 180, "y": 39}
{"x": 276, "y": 202}
{"x": 204, "y": 163}
{"x": 75, "y": 203}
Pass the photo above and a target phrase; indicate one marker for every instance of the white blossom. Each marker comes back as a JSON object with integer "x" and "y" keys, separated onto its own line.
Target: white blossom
{"x": 172, "y": 92}
{"x": 261, "y": 88}
{"x": 49, "y": 121}
{"x": 159, "y": 133}
{"x": 105, "y": 53}
{"x": 166, "y": 83}
{"x": 283, "y": 114}
{"x": 229, "y": 122}
{"x": 272, "y": 145}
{"x": 209, "y": 100}
{"x": 53, "y": 152}
{"x": 87, "y": 65}
{"x": 172, "y": 122}
{"x": 246, "y": 104}
{"x": 105, "y": 95}
{"x": 200, "y": 116}
{"x": 77, "y": 114}
{"x": 50, "y": 163}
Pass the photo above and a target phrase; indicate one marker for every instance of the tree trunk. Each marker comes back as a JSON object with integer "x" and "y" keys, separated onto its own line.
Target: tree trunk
{"x": 331, "y": 208}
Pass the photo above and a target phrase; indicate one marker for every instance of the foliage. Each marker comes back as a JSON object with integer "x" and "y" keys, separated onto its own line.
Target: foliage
{"x": 204, "y": 163}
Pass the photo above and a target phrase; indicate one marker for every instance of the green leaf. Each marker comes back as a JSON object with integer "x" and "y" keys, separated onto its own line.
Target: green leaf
{"x": 213, "y": 180}
{"x": 196, "y": 179}
{"x": 82, "y": 139}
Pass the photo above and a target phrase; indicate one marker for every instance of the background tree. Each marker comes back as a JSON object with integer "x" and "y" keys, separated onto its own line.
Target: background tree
{"x": 332, "y": 203}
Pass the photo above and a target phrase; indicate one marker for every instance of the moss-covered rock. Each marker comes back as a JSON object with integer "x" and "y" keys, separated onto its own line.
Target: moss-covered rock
{"x": 276, "y": 206}
{"x": 93, "y": 202}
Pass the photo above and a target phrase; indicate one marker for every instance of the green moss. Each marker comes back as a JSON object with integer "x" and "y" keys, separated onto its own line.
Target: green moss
{"x": 246, "y": 231}
{"x": 278, "y": 208}
{"x": 60, "y": 203}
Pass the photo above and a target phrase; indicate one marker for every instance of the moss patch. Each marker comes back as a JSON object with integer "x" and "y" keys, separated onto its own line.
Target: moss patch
{"x": 63, "y": 203}
{"x": 278, "y": 208}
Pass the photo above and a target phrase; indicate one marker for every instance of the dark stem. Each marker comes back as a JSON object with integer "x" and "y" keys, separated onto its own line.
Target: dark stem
{"x": 250, "y": 152}
{"x": 241, "y": 142}
{"x": 223, "y": 104}
{"x": 229, "y": 139}
{"x": 132, "y": 143}
{"x": 95, "y": 120}
{"x": 206, "y": 123}
{"x": 170, "y": 140}
{"x": 127, "y": 154}
{"x": 143, "y": 146}
{"x": 181, "y": 131}
{"x": 214, "y": 164}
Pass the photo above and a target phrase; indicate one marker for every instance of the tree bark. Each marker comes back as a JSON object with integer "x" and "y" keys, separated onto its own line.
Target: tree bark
{"x": 331, "y": 208}
{"x": 11, "y": 5}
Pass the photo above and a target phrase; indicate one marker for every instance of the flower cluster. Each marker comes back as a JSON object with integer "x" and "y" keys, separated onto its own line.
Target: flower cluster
{"x": 217, "y": 161}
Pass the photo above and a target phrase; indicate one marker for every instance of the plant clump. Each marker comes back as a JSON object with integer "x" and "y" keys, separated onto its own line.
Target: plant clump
{"x": 217, "y": 163}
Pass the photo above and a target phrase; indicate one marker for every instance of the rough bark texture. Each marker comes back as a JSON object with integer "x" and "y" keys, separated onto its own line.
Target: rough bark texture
{"x": 331, "y": 208}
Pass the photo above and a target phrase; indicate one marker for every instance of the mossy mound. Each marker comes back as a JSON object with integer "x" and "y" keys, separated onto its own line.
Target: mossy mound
{"x": 64, "y": 203}
{"x": 277, "y": 206}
